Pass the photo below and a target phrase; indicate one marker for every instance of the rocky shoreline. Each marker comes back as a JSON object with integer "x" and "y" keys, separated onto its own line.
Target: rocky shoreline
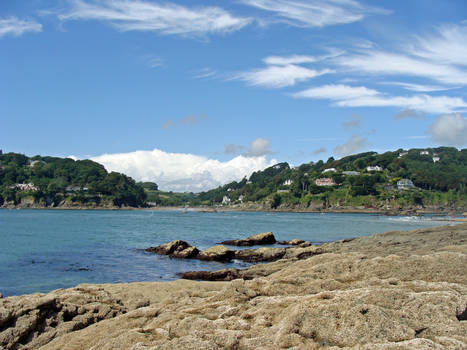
{"x": 397, "y": 290}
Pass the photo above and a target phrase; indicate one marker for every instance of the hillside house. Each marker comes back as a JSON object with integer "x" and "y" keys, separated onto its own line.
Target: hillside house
{"x": 404, "y": 184}
{"x": 225, "y": 200}
{"x": 329, "y": 170}
{"x": 374, "y": 168}
{"x": 326, "y": 181}
{"x": 27, "y": 187}
{"x": 424, "y": 153}
{"x": 435, "y": 159}
{"x": 403, "y": 154}
{"x": 288, "y": 182}
{"x": 351, "y": 173}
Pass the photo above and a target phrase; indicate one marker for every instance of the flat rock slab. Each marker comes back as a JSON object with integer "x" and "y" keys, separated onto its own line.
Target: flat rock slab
{"x": 260, "y": 255}
{"x": 216, "y": 253}
{"x": 258, "y": 239}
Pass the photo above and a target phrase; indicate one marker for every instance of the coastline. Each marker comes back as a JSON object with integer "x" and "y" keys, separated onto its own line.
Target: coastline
{"x": 398, "y": 290}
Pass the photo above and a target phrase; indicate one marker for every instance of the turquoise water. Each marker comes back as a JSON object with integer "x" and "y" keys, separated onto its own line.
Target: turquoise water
{"x": 42, "y": 250}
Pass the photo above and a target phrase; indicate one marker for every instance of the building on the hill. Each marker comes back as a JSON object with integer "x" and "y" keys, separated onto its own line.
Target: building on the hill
{"x": 325, "y": 181}
{"x": 404, "y": 184}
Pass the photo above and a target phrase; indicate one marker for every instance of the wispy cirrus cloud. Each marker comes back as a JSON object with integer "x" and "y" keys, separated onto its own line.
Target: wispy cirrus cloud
{"x": 360, "y": 96}
{"x": 17, "y": 27}
{"x": 419, "y": 87}
{"x": 279, "y": 76}
{"x": 165, "y": 18}
{"x": 315, "y": 13}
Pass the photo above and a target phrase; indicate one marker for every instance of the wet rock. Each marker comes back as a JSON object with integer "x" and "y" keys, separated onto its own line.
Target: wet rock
{"x": 216, "y": 253}
{"x": 220, "y": 275}
{"x": 258, "y": 239}
{"x": 294, "y": 242}
{"x": 168, "y": 248}
{"x": 185, "y": 253}
{"x": 260, "y": 255}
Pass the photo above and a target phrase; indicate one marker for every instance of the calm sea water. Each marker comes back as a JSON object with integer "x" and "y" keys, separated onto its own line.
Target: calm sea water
{"x": 42, "y": 250}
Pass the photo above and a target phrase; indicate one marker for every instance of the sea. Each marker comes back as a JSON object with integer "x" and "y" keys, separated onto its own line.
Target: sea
{"x": 43, "y": 250}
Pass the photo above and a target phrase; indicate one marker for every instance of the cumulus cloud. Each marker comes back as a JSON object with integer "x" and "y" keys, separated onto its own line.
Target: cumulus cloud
{"x": 449, "y": 130}
{"x": 17, "y": 27}
{"x": 353, "y": 145}
{"x": 315, "y": 13}
{"x": 354, "y": 122}
{"x": 165, "y": 18}
{"x": 360, "y": 96}
{"x": 258, "y": 148}
{"x": 182, "y": 172}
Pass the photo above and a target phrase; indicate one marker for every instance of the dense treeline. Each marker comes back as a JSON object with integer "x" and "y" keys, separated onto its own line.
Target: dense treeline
{"x": 53, "y": 181}
{"x": 439, "y": 176}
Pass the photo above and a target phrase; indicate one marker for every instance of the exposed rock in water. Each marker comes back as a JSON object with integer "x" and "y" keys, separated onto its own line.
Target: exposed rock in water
{"x": 258, "y": 239}
{"x": 168, "y": 248}
{"x": 216, "y": 253}
{"x": 185, "y": 253}
{"x": 299, "y": 242}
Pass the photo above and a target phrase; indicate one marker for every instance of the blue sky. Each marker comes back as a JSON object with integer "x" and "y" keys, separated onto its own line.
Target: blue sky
{"x": 195, "y": 94}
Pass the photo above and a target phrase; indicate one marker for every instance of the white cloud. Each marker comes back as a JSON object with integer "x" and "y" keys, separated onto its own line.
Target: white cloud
{"x": 384, "y": 63}
{"x": 165, "y": 18}
{"x": 315, "y": 13}
{"x": 319, "y": 150}
{"x": 449, "y": 130}
{"x": 182, "y": 172}
{"x": 337, "y": 92}
{"x": 258, "y": 148}
{"x": 232, "y": 149}
{"x": 448, "y": 45}
{"x": 17, "y": 27}
{"x": 279, "y": 76}
{"x": 420, "y": 87}
{"x": 287, "y": 60}
{"x": 353, "y": 145}
{"x": 351, "y": 96}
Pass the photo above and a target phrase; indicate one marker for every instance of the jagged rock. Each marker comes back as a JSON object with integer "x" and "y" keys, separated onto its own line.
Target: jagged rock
{"x": 220, "y": 275}
{"x": 168, "y": 248}
{"x": 258, "y": 239}
{"x": 185, "y": 253}
{"x": 260, "y": 255}
{"x": 293, "y": 242}
{"x": 216, "y": 253}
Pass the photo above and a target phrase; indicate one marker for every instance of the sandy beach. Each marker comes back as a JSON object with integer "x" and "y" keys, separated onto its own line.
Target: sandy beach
{"x": 396, "y": 290}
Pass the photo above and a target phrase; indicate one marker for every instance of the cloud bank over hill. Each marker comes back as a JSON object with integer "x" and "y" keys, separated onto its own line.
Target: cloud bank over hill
{"x": 182, "y": 172}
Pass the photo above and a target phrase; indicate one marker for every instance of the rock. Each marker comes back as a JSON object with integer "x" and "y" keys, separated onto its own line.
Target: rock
{"x": 260, "y": 255}
{"x": 185, "y": 253}
{"x": 220, "y": 275}
{"x": 168, "y": 248}
{"x": 216, "y": 253}
{"x": 293, "y": 242}
{"x": 258, "y": 239}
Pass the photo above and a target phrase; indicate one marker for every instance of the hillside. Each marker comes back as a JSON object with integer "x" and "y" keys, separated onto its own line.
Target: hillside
{"x": 50, "y": 181}
{"x": 435, "y": 177}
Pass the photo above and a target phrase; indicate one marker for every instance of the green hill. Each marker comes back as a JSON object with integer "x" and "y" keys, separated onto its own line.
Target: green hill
{"x": 438, "y": 175}
{"x": 50, "y": 181}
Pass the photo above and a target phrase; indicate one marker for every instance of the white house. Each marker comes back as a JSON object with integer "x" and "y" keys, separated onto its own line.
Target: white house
{"x": 374, "y": 168}
{"x": 27, "y": 187}
{"x": 405, "y": 184}
{"x": 403, "y": 154}
{"x": 424, "y": 153}
{"x": 351, "y": 173}
{"x": 329, "y": 170}
{"x": 240, "y": 198}
{"x": 225, "y": 200}
{"x": 435, "y": 159}
{"x": 287, "y": 182}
